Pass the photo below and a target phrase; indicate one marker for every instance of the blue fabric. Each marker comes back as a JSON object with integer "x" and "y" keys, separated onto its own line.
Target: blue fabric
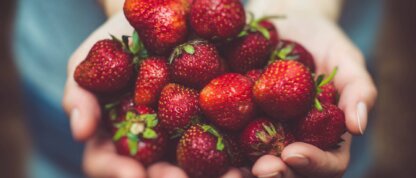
{"x": 48, "y": 31}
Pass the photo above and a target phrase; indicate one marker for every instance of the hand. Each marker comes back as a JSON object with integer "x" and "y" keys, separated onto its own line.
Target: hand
{"x": 330, "y": 48}
{"x": 100, "y": 157}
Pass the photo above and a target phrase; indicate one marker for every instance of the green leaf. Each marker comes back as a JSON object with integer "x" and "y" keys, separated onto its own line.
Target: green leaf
{"x": 130, "y": 115}
{"x": 284, "y": 52}
{"x": 149, "y": 133}
{"x": 151, "y": 120}
{"x": 242, "y": 34}
{"x": 329, "y": 78}
{"x": 270, "y": 129}
{"x": 133, "y": 146}
{"x": 319, "y": 80}
{"x": 120, "y": 133}
{"x": 189, "y": 49}
{"x": 318, "y": 105}
{"x": 113, "y": 114}
{"x": 135, "y": 47}
{"x": 264, "y": 32}
{"x": 220, "y": 144}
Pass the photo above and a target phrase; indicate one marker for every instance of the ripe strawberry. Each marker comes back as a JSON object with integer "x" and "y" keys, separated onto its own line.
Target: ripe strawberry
{"x": 140, "y": 137}
{"x": 162, "y": 25}
{"x": 329, "y": 94}
{"x": 107, "y": 68}
{"x": 262, "y": 137}
{"x": 326, "y": 91}
{"x": 202, "y": 153}
{"x": 195, "y": 63}
{"x": 321, "y": 127}
{"x": 291, "y": 50}
{"x": 152, "y": 77}
{"x": 227, "y": 101}
{"x": 116, "y": 112}
{"x": 254, "y": 74}
{"x": 253, "y": 47}
{"x": 178, "y": 105}
{"x": 285, "y": 90}
{"x": 217, "y": 19}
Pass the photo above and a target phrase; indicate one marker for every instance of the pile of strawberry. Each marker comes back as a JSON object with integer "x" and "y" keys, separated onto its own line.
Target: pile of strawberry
{"x": 198, "y": 86}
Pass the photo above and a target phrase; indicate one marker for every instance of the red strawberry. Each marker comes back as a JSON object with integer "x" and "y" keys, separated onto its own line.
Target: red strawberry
{"x": 262, "y": 137}
{"x": 326, "y": 91}
{"x": 116, "y": 112}
{"x": 202, "y": 153}
{"x": 195, "y": 63}
{"x": 285, "y": 90}
{"x": 217, "y": 19}
{"x": 140, "y": 137}
{"x": 253, "y": 48}
{"x": 291, "y": 50}
{"x": 107, "y": 68}
{"x": 153, "y": 76}
{"x": 161, "y": 24}
{"x": 254, "y": 74}
{"x": 177, "y": 107}
{"x": 227, "y": 101}
{"x": 321, "y": 128}
{"x": 329, "y": 94}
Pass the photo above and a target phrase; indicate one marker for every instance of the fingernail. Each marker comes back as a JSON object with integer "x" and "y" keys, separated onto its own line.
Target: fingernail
{"x": 74, "y": 119}
{"x": 297, "y": 160}
{"x": 361, "y": 116}
{"x": 272, "y": 175}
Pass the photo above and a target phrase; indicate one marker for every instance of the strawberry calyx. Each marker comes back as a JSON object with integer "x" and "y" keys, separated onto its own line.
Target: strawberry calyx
{"x": 283, "y": 52}
{"x": 321, "y": 81}
{"x": 220, "y": 139}
{"x": 254, "y": 26}
{"x": 134, "y": 127}
{"x": 187, "y": 47}
{"x": 271, "y": 142}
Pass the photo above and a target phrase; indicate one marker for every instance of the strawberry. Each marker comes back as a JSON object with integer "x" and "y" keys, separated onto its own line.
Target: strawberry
{"x": 106, "y": 69}
{"x": 285, "y": 90}
{"x": 116, "y": 112}
{"x": 322, "y": 127}
{"x": 161, "y": 24}
{"x": 152, "y": 77}
{"x": 329, "y": 94}
{"x": 195, "y": 63}
{"x": 326, "y": 91}
{"x": 254, "y": 74}
{"x": 290, "y": 50}
{"x": 253, "y": 47}
{"x": 201, "y": 152}
{"x": 217, "y": 19}
{"x": 262, "y": 137}
{"x": 227, "y": 101}
{"x": 140, "y": 137}
{"x": 178, "y": 105}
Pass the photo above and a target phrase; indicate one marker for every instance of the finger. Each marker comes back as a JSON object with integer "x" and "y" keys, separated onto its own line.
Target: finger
{"x": 165, "y": 170}
{"x": 358, "y": 92}
{"x": 269, "y": 166}
{"x": 83, "y": 110}
{"x": 101, "y": 160}
{"x": 233, "y": 173}
{"x": 310, "y": 161}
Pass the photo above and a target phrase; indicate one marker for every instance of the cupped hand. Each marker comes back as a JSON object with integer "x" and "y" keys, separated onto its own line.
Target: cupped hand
{"x": 100, "y": 156}
{"x": 331, "y": 48}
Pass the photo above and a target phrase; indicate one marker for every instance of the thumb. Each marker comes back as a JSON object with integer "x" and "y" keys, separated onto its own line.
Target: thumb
{"x": 83, "y": 110}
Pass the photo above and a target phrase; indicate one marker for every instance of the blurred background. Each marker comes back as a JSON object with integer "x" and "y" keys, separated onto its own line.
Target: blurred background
{"x": 387, "y": 37}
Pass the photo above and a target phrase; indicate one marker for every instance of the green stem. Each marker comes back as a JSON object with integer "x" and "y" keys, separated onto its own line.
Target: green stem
{"x": 329, "y": 78}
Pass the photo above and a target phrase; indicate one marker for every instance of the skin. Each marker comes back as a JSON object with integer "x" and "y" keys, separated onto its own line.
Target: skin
{"x": 330, "y": 47}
